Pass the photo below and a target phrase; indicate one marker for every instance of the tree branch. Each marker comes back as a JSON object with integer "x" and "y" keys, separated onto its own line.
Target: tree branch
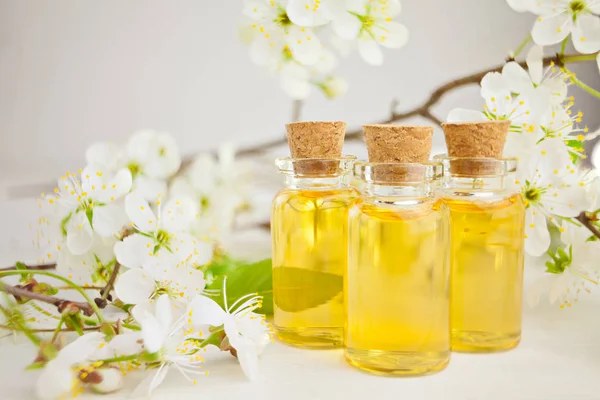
{"x": 111, "y": 282}
{"x": 588, "y": 223}
{"x": 88, "y": 328}
{"x": 41, "y": 267}
{"x": 60, "y": 304}
{"x": 425, "y": 109}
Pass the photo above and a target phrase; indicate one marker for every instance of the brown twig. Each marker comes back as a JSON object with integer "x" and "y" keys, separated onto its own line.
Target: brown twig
{"x": 41, "y": 267}
{"x": 111, "y": 282}
{"x": 89, "y": 328}
{"x": 588, "y": 223}
{"x": 424, "y": 110}
{"x": 60, "y": 304}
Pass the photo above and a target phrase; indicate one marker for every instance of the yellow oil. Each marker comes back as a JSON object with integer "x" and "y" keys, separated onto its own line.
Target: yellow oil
{"x": 310, "y": 252}
{"x": 487, "y": 243}
{"x": 397, "y": 288}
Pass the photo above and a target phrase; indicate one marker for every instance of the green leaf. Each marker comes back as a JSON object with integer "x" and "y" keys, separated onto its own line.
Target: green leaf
{"x": 243, "y": 279}
{"x": 35, "y": 365}
{"x": 63, "y": 224}
{"x": 298, "y": 289}
{"x": 20, "y": 266}
{"x": 89, "y": 213}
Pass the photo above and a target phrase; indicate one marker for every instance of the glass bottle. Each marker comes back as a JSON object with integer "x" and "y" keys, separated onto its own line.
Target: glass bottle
{"x": 310, "y": 250}
{"x": 487, "y": 253}
{"x": 397, "y": 285}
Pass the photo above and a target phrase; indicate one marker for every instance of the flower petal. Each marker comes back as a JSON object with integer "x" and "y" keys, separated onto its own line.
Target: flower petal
{"x": 304, "y": 44}
{"x": 519, "y": 5}
{"x": 178, "y": 214}
{"x": 108, "y": 156}
{"x": 551, "y": 29}
{"x": 306, "y": 13}
{"x": 392, "y": 35}
{"x": 83, "y": 348}
{"x": 150, "y": 383}
{"x": 535, "y": 63}
{"x": 79, "y": 234}
{"x": 586, "y": 34}
{"x": 139, "y": 212}
{"x": 55, "y": 381}
{"x": 164, "y": 314}
{"x": 133, "y": 250}
{"x": 517, "y": 78}
{"x": 108, "y": 220}
{"x": 536, "y": 232}
{"x": 134, "y": 286}
{"x": 206, "y": 311}
{"x": 370, "y": 51}
{"x": 346, "y": 26}
{"x": 247, "y": 356}
{"x": 150, "y": 189}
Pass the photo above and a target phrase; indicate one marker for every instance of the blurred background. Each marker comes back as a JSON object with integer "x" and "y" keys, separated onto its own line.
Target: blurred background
{"x": 75, "y": 72}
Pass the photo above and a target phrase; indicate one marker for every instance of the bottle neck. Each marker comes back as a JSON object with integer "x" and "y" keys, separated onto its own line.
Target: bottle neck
{"x": 422, "y": 189}
{"x": 317, "y": 183}
{"x": 475, "y": 183}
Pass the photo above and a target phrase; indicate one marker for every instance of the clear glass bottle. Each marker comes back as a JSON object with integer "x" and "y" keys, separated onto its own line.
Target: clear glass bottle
{"x": 309, "y": 224}
{"x": 487, "y": 253}
{"x": 397, "y": 285}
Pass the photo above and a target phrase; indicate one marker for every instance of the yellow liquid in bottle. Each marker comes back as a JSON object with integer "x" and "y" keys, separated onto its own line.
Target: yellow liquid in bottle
{"x": 310, "y": 253}
{"x": 487, "y": 244}
{"x": 397, "y": 289}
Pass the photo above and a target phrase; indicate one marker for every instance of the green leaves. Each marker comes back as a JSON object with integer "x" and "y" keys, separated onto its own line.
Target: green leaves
{"x": 560, "y": 261}
{"x": 242, "y": 279}
{"x": 298, "y": 289}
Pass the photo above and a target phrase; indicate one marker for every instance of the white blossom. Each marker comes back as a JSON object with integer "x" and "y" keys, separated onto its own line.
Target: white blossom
{"x": 560, "y": 18}
{"x": 59, "y": 377}
{"x": 371, "y": 23}
{"x": 165, "y": 338}
{"x": 140, "y": 285}
{"x": 152, "y": 157}
{"x": 571, "y": 271}
{"x": 163, "y": 236}
{"x": 246, "y": 330}
{"x": 220, "y": 189}
{"x": 89, "y": 205}
{"x": 551, "y": 186}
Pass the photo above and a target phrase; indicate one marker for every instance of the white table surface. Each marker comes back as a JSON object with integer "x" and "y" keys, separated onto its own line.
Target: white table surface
{"x": 558, "y": 359}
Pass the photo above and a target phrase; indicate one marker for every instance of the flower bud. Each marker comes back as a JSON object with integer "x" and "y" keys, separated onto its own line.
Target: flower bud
{"x": 111, "y": 380}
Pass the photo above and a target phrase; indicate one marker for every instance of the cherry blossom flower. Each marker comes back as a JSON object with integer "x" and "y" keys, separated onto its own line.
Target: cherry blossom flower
{"x": 220, "y": 188}
{"x": 551, "y": 187}
{"x": 571, "y": 271}
{"x": 560, "y": 18}
{"x": 91, "y": 268}
{"x": 161, "y": 237}
{"x": 173, "y": 348}
{"x": 371, "y": 23}
{"x": 60, "y": 375}
{"x": 276, "y": 38}
{"x": 245, "y": 330}
{"x": 89, "y": 205}
{"x": 151, "y": 157}
{"x": 140, "y": 285}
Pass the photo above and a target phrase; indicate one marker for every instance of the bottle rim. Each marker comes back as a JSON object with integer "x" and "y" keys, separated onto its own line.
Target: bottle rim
{"x": 480, "y": 167}
{"x": 398, "y": 174}
{"x": 315, "y": 167}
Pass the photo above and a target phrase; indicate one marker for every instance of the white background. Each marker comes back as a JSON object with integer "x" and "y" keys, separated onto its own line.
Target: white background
{"x": 77, "y": 71}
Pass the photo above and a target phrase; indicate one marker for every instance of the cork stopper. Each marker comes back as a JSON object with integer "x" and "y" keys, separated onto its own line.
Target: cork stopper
{"x": 320, "y": 140}
{"x": 393, "y": 144}
{"x": 475, "y": 140}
